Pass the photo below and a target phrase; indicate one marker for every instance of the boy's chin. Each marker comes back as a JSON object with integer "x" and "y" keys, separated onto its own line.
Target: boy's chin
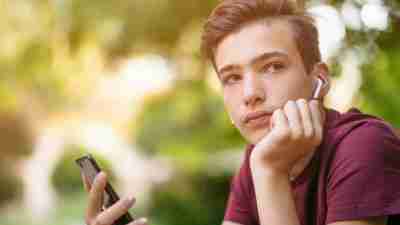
{"x": 256, "y": 136}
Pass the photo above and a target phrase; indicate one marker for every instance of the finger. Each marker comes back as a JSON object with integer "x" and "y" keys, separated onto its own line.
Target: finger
{"x": 317, "y": 120}
{"x": 281, "y": 129}
{"x": 279, "y": 120}
{"x": 141, "y": 221}
{"x": 96, "y": 196}
{"x": 86, "y": 183}
{"x": 110, "y": 215}
{"x": 306, "y": 119}
{"x": 294, "y": 118}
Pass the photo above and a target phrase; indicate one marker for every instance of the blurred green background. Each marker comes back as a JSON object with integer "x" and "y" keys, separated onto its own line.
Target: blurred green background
{"x": 125, "y": 81}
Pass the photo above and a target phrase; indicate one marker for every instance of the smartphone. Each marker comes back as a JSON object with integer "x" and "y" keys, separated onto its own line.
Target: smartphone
{"x": 90, "y": 169}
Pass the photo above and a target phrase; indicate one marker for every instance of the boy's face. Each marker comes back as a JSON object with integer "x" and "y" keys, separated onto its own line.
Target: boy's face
{"x": 260, "y": 69}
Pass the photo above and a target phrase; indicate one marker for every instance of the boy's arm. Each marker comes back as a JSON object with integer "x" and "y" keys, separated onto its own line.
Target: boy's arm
{"x": 276, "y": 205}
{"x": 274, "y": 199}
{"x": 296, "y": 131}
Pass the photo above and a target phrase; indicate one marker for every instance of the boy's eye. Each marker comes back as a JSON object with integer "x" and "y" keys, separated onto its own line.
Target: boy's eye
{"x": 231, "y": 79}
{"x": 273, "y": 67}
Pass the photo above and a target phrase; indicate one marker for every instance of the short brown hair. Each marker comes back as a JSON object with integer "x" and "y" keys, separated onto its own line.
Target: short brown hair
{"x": 231, "y": 15}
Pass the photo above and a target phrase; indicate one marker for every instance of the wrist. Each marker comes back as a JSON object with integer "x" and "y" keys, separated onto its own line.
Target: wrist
{"x": 262, "y": 169}
{"x": 259, "y": 165}
{"x": 269, "y": 176}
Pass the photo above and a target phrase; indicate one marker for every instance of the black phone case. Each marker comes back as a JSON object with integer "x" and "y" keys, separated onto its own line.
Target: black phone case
{"x": 111, "y": 196}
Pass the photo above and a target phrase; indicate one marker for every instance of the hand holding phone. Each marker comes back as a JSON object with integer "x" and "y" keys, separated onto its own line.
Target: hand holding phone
{"x": 105, "y": 206}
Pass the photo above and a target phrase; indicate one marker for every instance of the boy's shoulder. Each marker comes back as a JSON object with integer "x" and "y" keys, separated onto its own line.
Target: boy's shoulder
{"x": 355, "y": 139}
{"x": 355, "y": 124}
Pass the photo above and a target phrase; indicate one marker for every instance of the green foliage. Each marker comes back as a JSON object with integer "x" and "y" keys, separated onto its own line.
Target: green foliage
{"x": 67, "y": 178}
{"x": 188, "y": 124}
{"x": 11, "y": 185}
{"x": 16, "y": 144}
{"x": 191, "y": 198}
{"x": 380, "y": 90}
{"x": 16, "y": 139}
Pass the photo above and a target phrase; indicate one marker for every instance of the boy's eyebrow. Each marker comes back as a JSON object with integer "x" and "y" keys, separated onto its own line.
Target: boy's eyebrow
{"x": 228, "y": 68}
{"x": 268, "y": 55}
{"x": 256, "y": 60}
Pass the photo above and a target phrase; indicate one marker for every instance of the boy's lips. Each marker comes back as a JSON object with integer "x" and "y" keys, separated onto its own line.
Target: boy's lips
{"x": 257, "y": 119}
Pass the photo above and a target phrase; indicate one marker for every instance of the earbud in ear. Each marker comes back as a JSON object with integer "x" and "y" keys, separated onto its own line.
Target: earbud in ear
{"x": 320, "y": 83}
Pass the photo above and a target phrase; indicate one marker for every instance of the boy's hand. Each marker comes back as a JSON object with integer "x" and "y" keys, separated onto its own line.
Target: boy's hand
{"x": 94, "y": 215}
{"x": 296, "y": 130}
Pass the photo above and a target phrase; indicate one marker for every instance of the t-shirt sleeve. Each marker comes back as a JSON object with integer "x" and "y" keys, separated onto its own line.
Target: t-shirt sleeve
{"x": 238, "y": 209}
{"x": 364, "y": 179}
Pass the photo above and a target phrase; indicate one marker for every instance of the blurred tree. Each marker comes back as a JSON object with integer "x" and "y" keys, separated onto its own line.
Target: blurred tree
{"x": 16, "y": 143}
{"x": 189, "y": 123}
{"x": 16, "y": 137}
{"x": 191, "y": 198}
{"x": 382, "y": 78}
{"x": 11, "y": 185}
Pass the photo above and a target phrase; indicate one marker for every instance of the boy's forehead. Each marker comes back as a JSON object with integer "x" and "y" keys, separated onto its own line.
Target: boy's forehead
{"x": 255, "y": 39}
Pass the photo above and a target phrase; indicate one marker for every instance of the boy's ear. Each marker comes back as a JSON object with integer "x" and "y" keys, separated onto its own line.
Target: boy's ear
{"x": 321, "y": 70}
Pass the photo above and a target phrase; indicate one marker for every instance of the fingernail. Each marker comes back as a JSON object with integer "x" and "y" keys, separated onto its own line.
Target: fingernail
{"x": 130, "y": 200}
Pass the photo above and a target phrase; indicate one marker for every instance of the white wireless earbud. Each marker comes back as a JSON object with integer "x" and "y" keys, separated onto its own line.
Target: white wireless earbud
{"x": 317, "y": 90}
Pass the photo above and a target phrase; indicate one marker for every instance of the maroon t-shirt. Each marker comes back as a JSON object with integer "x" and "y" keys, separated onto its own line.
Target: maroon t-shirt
{"x": 354, "y": 174}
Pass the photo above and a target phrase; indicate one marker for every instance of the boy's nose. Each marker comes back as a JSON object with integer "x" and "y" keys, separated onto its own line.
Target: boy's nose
{"x": 253, "y": 91}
